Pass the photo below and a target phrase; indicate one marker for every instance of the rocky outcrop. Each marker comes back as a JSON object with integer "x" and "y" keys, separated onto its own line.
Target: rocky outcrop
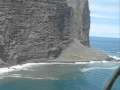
{"x": 77, "y": 52}
{"x": 41, "y": 29}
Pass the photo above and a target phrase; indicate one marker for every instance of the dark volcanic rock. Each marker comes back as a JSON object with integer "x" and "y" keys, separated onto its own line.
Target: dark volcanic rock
{"x": 41, "y": 29}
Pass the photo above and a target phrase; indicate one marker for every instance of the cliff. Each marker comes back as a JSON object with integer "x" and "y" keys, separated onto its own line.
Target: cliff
{"x": 41, "y": 29}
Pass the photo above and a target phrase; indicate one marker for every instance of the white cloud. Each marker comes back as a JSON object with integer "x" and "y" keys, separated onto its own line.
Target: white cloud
{"x": 104, "y": 8}
{"x": 103, "y": 16}
{"x": 106, "y": 14}
{"x": 111, "y": 1}
{"x": 104, "y": 30}
{"x": 106, "y": 1}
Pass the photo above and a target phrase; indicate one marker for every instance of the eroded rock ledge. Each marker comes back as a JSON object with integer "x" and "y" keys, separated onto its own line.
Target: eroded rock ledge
{"x": 41, "y": 29}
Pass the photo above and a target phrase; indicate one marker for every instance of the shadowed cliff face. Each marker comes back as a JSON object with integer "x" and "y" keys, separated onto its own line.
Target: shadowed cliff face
{"x": 41, "y": 29}
{"x": 81, "y": 20}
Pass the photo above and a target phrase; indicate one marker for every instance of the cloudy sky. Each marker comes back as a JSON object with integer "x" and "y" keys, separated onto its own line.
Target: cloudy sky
{"x": 105, "y": 16}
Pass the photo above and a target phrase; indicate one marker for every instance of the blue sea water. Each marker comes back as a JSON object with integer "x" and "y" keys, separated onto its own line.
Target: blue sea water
{"x": 56, "y": 76}
{"x": 111, "y": 46}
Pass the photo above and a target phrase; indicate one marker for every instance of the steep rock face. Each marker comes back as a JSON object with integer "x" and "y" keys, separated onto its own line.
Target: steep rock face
{"x": 81, "y": 20}
{"x": 41, "y": 29}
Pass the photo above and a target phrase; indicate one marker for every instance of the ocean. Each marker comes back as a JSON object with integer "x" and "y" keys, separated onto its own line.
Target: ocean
{"x": 65, "y": 76}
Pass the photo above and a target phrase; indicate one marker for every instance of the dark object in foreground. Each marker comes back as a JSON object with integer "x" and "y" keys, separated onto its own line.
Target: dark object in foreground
{"x": 112, "y": 79}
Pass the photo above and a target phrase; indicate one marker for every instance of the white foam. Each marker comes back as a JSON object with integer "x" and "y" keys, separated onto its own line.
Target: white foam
{"x": 32, "y": 78}
{"x": 115, "y": 57}
{"x": 46, "y": 78}
{"x": 92, "y": 62}
{"x": 5, "y": 70}
{"x": 19, "y": 76}
{"x": 104, "y": 61}
{"x": 16, "y": 75}
{"x": 35, "y": 78}
{"x": 96, "y": 68}
{"x": 81, "y": 62}
{"x": 15, "y": 68}
{"x": 19, "y": 67}
{"x": 86, "y": 69}
{"x": 24, "y": 67}
{"x": 51, "y": 78}
{"x": 28, "y": 65}
{"x": 13, "y": 75}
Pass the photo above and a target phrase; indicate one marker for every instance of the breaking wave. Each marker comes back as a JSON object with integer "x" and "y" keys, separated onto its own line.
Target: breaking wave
{"x": 96, "y": 68}
{"x": 92, "y": 62}
{"x": 15, "y": 68}
{"x": 27, "y": 67}
{"x": 24, "y": 67}
{"x": 115, "y": 57}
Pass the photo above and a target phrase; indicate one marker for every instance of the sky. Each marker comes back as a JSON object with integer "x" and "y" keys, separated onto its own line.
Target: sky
{"x": 105, "y": 16}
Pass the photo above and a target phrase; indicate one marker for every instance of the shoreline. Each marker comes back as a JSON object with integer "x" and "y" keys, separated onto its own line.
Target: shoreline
{"x": 60, "y": 62}
{"x": 26, "y": 66}
{"x": 55, "y": 61}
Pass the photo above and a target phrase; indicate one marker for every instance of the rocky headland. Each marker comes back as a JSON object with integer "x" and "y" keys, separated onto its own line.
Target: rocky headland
{"x": 45, "y": 31}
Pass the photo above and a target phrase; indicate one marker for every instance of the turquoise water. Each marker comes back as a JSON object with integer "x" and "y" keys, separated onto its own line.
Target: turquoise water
{"x": 78, "y": 76}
